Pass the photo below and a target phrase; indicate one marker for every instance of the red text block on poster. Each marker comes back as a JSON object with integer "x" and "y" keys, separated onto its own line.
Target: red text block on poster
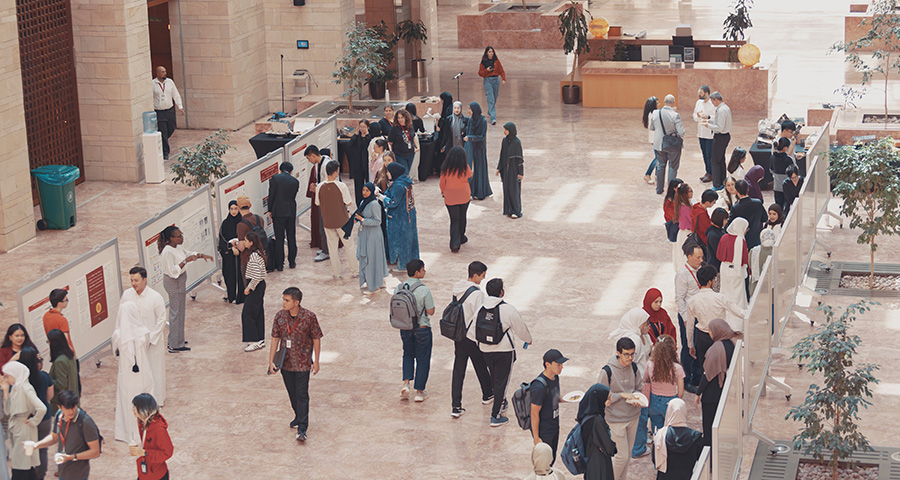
{"x": 96, "y": 287}
{"x": 268, "y": 172}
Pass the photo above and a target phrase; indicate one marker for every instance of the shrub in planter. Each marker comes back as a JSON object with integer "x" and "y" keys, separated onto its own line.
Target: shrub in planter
{"x": 202, "y": 164}
{"x": 573, "y": 26}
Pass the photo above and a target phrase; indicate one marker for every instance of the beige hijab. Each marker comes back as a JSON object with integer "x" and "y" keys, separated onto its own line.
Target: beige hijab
{"x": 676, "y": 416}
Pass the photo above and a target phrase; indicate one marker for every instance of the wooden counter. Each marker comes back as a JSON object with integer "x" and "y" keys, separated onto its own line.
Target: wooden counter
{"x": 629, "y": 84}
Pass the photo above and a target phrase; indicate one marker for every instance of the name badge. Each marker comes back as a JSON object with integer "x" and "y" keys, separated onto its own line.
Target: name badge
{"x": 287, "y": 343}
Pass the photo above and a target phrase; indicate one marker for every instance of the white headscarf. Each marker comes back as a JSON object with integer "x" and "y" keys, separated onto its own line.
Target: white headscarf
{"x": 18, "y": 371}
{"x": 676, "y": 416}
{"x": 541, "y": 458}
{"x": 738, "y": 228}
{"x": 630, "y": 326}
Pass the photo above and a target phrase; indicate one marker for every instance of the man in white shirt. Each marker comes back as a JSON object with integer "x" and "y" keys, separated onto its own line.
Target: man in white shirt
{"x": 665, "y": 122}
{"x": 706, "y": 306}
{"x": 165, "y": 99}
{"x": 333, "y": 199}
{"x": 686, "y": 286}
{"x": 720, "y": 125}
{"x": 153, "y": 316}
{"x": 704, "y": 110}
{"x": 317, "y": 176}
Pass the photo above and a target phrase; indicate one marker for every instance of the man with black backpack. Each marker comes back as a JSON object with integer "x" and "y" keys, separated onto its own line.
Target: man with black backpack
{"x": 496, "y": 324}
{"x": 623, "y": 411}
{"x": 545, "y": 401}
{"x": 469, "y": 296}
{"x": 413, "y": 300}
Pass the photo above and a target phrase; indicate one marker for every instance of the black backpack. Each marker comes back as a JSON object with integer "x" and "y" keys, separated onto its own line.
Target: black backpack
{"x": 609, "y": 372}
{"x": 258, "y": 229}
{"x": 453, "y": 320}
{"x": 488, "y": 329}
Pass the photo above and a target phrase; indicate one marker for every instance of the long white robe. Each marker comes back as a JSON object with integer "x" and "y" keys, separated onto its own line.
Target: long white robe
{"x": 734, "y": 272}
{"x": 153, "y": 316}
{"x": 131, "y": 338}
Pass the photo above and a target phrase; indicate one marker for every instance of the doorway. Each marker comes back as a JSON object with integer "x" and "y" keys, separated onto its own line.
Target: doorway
{"x": 160, "y": 37}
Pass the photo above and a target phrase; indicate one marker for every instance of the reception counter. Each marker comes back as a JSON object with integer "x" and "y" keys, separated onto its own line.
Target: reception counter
{"x": 629, "y": 84}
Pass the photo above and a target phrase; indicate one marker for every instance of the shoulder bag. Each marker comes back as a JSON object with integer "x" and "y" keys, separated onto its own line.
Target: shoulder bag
{"x": 670, "y": 141}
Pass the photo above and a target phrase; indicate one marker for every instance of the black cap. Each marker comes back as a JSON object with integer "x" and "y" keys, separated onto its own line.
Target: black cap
{"x": 554, "y": 355}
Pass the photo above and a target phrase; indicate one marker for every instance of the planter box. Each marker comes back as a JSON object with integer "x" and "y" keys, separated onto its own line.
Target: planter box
{"x": 828, "y": 280}
{"x": 507, "y": 26}
{"x": 783, "y": 466}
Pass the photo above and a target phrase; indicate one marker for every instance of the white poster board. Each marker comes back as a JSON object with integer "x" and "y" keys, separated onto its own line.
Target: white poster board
{"x": 194, "y": 216}
{"x": 94, "y": 283}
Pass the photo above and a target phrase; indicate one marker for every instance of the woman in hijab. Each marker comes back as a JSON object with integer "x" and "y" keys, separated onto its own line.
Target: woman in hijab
{"x": 231, "y": 263}
{"x": 492, "y": 72}
{"x": 25, "y": 411}
{"x": 676, "y": 447}
{"x": 417, "y": 123}
{"x": 358, "y": 158}
{"x": 767, "y": 239}
{"x": 444, "y": 140}
{"x": 370, "y": 241}
{"x": 634, "y": 326}
{"x": 511, "y": 169}
{"x": 458, "y": 124}
{"x": 595, "y": 433}
{"x": 541, "y": 458}
{"x": 476, "y": 151}
{"x": 735, "y": 260}
{"x": 753, "y": 177}
{"x": 715, "y": 367}
{"x": 400, "y": 207}
{"x": 457, "y": 193}
{"x": 131, "y": 340}
{"x": 659, "y": 322}
{"x": 418, "y": 127}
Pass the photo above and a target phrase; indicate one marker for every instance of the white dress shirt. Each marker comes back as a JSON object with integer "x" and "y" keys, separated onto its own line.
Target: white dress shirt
{"x": 721, "y": 121}
{"x": 171, "y": 259}
{"x": 708, "y": 305}
{"x": 704, "y": 107}
{"x": 686, "y": 286}
{"x": 165, "y": 94}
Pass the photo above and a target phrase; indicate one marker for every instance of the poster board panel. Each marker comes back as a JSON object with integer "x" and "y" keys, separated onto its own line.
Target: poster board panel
{"x": 252, "y": 181}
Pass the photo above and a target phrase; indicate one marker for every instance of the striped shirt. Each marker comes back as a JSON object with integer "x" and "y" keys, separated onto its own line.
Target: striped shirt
{"x": 256, "y": 270}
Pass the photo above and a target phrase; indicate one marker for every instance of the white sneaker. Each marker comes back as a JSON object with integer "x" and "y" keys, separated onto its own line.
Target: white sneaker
{"x": 420, "y": 397}
{"x": 404, "y": 392}
{"x": 252, "y": 347}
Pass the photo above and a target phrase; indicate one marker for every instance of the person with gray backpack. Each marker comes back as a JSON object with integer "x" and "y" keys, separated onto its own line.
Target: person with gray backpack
{"x": 411, "y": 306}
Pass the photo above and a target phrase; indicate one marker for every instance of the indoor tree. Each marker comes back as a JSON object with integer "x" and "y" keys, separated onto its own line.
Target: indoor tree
{"x": 829, "y": 412}
{"x": 202, "y": 164}
{"x": 361, "y": 60}
{"x": 865, "y": 177}
{"x": 573, "y": 26}
{"x": 735, "y": 23}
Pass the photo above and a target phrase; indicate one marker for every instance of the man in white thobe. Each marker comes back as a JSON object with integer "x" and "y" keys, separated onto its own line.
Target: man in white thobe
{"x": 130, "y": 339}
{"x": 153, "y": 315}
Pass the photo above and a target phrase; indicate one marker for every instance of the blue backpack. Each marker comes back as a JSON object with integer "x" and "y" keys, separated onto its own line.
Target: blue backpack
{"x": 573, "y": 454}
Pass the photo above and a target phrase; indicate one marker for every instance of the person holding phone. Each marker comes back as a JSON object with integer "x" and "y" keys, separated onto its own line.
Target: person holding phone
{"x": 156, "y": 445}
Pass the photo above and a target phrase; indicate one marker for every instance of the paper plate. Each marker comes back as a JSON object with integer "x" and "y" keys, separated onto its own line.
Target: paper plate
{"x": 573, "y": 396}
{"x": 642, "y": 400}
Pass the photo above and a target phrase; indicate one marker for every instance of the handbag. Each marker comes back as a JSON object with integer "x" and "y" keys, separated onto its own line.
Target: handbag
{"x": 672, "y": 231}
{"x": 669, "y": 141}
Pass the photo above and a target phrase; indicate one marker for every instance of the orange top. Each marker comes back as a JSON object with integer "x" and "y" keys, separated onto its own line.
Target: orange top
{"x": 455, "y": 188}
{"x": 498, "y": 71}
{"x": 55, "y": 319}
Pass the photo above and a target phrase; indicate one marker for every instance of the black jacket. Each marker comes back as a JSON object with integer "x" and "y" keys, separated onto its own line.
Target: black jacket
{"x": 755, "y": 213}
{"x": 683, "y": 447}
{"x": 713, "y": 235}
{"x": 791, "y": 192}
{"x": 385, "y": 127}
{"x": 283, "y": 195}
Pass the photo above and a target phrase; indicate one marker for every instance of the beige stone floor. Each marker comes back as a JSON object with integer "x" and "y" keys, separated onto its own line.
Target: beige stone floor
{"x": 590, "y": 244}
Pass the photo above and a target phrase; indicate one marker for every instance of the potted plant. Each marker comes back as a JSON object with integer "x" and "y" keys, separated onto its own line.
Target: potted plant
{"x": 735, "y": 23}
{"x": 360, "y": 61}
{"x": 573, "y": 26}
{"x": 378, "y": 83}
{"x": 414, "y": 32}
{"x": 202, "y": 164}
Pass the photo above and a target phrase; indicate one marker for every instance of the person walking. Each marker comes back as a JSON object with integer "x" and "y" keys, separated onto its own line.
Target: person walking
{"x": 333, "y": 199}
{"x": 417, "y": 342}
{"x": 720, "y": 125}
{"x": 400, "y": 206}
{"x": 253, "y": 315}
{"x": 296, "y": 330}
{"x": 598, "y": 444}
{"x": 650, "y": 106}
{"x": 676, "y": 446}
{"x": 715, "y": 368}
{"x": 76, "y": 436}
{"x": 476, "y": 153}
{"x": 165, "y": 99}
{"x": 663, "y": 381}
{"x": 152, "y": 311}
{"x": 469, "y": 293}
{"x": 511, "y": 170}
{"x": 403, "y": 139}
{"x": 370, "y": 252}
{"x": 457, "y": 192}
{"x": 704, "y": 110}
{"x": 155, "y": 447}
{"x": 282, "y": 206}
{"x": 231, "y": 263}
{"x": 491, "y": 70}
{"x": 623, "y": 412}
{"x": 668, "y": 134}
{"x": 24, "y": 409}
{"x": 131, "y": 341}
{"x": 791, "y": 187}
{"x": 545, "y": 401}
{"x": 174, "y": 259}
{"x": 63, "y": 370}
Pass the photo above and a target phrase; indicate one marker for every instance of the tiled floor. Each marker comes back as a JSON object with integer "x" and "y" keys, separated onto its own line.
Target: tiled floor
{"x": 590, "y": 244}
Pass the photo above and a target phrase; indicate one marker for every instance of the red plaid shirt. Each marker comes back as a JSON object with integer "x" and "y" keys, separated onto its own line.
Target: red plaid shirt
{"x": 301, "y": 330}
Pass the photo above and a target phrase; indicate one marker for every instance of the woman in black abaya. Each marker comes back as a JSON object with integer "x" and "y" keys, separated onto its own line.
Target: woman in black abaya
{"x": 476, "y": 150}
{"x": 511, "y": 170}
{"x": 231, "y": 263}
{"x": 595, "y": 433}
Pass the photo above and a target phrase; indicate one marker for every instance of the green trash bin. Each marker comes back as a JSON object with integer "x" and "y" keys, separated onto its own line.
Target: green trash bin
{"x": 56, "y": 188}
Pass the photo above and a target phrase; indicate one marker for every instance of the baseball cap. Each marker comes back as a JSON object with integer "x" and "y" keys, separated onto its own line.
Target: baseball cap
{"x": 554, "y": 355}
{"x": 243, "y": 201}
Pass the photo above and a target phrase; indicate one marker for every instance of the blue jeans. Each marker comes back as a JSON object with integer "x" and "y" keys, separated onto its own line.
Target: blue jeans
{"x": 658, "y": 406}
{"x": 416, "y": 355}
{"x": 652, "y": 166}
{"x": 406, "y": 161}
{"x": 691, "y": 366}
{"x": 491, "y": 90}
{"x": 706, "y": 150}
{"x": 640, "y": 437}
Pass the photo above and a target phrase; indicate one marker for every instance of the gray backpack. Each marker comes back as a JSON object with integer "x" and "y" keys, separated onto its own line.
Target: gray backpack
{"x": 404, "y": 315}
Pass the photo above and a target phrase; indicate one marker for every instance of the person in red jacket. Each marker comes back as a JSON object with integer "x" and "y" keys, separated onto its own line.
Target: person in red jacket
{"x": 669, "y": 200}
{"x": 700, "y": 214}
{"x": 156, "y": 446}
{"x": 492, "y": 72}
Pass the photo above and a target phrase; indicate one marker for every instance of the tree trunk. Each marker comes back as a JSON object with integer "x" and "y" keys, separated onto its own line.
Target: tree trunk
{"x": 524, "y": 6}
{"x": 574, "y": 66}
{"x": 887, "y": 69}
{"x": 872, "y": 266}
{"x": 835, "y": 453}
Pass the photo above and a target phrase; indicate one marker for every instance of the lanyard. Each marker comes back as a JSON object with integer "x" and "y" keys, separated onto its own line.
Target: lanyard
{"x": 291, "y": 330}
{"x": 692, "y": 274}
{"x": 162, "y": 85}
{"x": 64, "y": 435}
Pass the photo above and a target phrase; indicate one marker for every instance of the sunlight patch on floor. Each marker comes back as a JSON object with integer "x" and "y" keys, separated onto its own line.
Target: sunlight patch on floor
{"x": 628, "y": 278}
{"x": 558, "y": 201}
{"x": 593, "y": 201}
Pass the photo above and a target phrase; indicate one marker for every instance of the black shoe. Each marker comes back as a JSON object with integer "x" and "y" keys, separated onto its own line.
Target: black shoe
{"x": 454, "y": 250}
{"x": 292, "y": 265}
{"x": 706, "y": 178}
{"x": 457, "y": 412}
{"x": 179, "y": 349}
{"x": 690, "y": 388}
{"x": 301, "y": 436}
{"x": 280, "y": 269}
{"x": 464, "y": 240}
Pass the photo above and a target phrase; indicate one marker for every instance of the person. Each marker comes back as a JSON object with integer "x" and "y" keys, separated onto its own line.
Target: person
{"x": 358, "y": 158}
{"x": 53, "y": 318}
{"x": 458, "y": 125}
{"x": 658, "y": 323}
{"x": 333, "y": 199}
{"x": 663, "y": 381}
{"x": 317, "y": 175}
{"x": 417, "y": 123}
{"x": 246, "y": 224}
{"x": 749, "y": 209}
{"x": 728, "y": 200}
{"x": 24, "y": 408}
{"x": 76, "y": 436}
{"x": 720, "y": 124}
{"x": 231, "y": 263}
{"x": 417, "y": 342}
{"x": 299, "y": 328}
{"x": 780, "y": 161}
{"x": 370, "y": 252}
{"x": 377, "y": 162}
{"x": 402, "y": 233}
{"x": 545, "y": 401}
{"x": 669, "y": 199}
{"x": 165, "y": 99}
{"x": 130, "y": 341}
{"x": 753, "y": 177}
{"x": 501, "y": 356}
{"x": 444, "y": 141}
{"x": 63, "y": 371}
{"x": 686, "y": 286}
{"x": 651, "y": 105}
{"x": 706, "y": 306}
{"x": 457, "y": 192}
{"x": 666, "y": 122}
{"x": 789, "y": 132}
{"x": 43, "y": 386}
{"x": 735, "y": 261}
{"x": 715, "y": 367}
{"x": 704, "y": 110}
{"x": 469, "y": 293}
{"x": 491, "y": 70}
{"x": 174, "y": 259}
{"x": 15, "y": 340}
{"x": 791, "y": 187}
{"x": 381, "y": 175}
{"x": 152, "y": 311}
{"x": 476, "y": 153}
{"x": 282, "y": 206}
{"x": 767, "y": 239}
{"x": 253, "y": 315}
{"x": 700, "y": 220}
{"x": 542, "y": 461}
{"x": 375, "y": 133}
{"x": 676, "y": 446}
{"x": 511, "y": 170}
{"x": 635, "y": 326}
{"x": 155, "y": 447}
{"x": 403, "y": 139}
{"x": 714, "y": 235}
{"x": 681, "y": 209}
{"x": 623, "y": 410}
{"x": 735, "y": 166}
{"x": 598, "y": 444}
{"x": 387, "y": 120}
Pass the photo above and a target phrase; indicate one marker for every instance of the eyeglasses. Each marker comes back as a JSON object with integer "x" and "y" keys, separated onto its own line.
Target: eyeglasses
{"x": 627, "y": 355}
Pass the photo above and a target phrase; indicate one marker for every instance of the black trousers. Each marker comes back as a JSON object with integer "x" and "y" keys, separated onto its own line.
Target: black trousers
{"x": 717, "y": 162}
{"x": 23, "y": 474}
{"x": 253, "y": 318}
{"x": 360, "y": 174}
{"x": 297, "y": 385}
{"x": 551, "y": 438}
{"x": 708, "y": 409}
{"x": 457, "y": 224}
{"x": 285, "y": 227}
{"x": 499, "y": 365}
{"x": 464, "y": 350}
{"x": 234, "y": 281}
{"x": 702, "y": 342}
{"x": 165, "y": 122}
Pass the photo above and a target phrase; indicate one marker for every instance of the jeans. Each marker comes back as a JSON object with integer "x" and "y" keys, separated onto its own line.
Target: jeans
{"x": 491, "y": 90}
{"x": 706, "y": 149}
{"x": 457, "y": 224}
{"x": 652, "y": 165}
{"x": 717, "y": 158}
{"x": 285, "y": 228}
{"x": 406, "y": 161}
{"x": 665, "y": 158}
{"x": 297, "y": 385}
{"x": 640, "y": 437}
{"x": 417, "y": 355}
{"x": 463, "y": 350}
{"x": 500, "y": 365}
{"x": 658, "y": 406}
{"x": 253, "y": 316}
{"x": 690, "y": 365}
